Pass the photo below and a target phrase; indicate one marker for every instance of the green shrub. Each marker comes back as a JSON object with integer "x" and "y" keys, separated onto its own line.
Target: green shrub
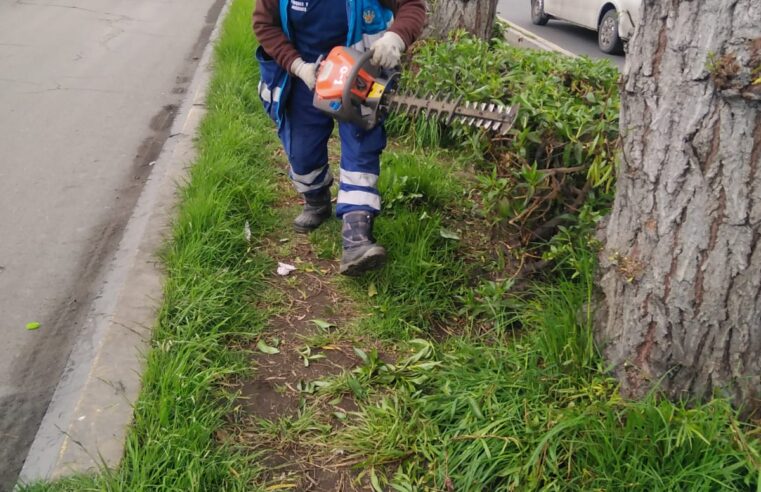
{"x": 563, "y": 144}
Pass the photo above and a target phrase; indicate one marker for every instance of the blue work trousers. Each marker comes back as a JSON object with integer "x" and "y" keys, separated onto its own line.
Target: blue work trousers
{"x": 305, "y": 133}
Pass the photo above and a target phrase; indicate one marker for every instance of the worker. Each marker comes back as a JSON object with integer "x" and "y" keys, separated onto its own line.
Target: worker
{"x": 292, "y": 35}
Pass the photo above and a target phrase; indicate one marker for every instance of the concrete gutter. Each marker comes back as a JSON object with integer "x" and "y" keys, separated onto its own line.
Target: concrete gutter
{"x": 518, "y": 36}
{"x": 86, "y": 424}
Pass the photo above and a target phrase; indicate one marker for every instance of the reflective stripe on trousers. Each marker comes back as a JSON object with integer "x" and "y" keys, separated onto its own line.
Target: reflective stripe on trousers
{"x": 305, "y": 134}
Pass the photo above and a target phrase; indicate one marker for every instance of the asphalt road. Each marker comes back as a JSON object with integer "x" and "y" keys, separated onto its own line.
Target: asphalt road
{"x": 88, "y": 91}
{"x": 571, "y": 37}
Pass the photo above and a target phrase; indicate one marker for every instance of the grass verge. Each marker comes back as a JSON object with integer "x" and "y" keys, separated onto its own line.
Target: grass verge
{"x": 213, "y": 277}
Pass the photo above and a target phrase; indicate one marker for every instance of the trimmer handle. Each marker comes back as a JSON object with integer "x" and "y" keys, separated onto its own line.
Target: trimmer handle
{"x": 346, "y": 96}
{"x": 317, "y": 64}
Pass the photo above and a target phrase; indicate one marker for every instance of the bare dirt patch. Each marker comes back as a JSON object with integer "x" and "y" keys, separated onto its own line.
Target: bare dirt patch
{"x": 278, "y": 411}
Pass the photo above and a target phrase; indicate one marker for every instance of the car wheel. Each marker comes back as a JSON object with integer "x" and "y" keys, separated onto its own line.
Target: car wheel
{"x": 607, "y": 34}
{"x": 538, "y": 16}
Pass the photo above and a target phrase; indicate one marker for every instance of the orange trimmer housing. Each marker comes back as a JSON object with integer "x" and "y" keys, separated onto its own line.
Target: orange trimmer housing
{"x": 350, "y": 88}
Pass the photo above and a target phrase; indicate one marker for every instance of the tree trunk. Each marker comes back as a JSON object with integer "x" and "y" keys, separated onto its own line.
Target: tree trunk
{"x": 475, "y": 16}
{"x": 681, "y": 267}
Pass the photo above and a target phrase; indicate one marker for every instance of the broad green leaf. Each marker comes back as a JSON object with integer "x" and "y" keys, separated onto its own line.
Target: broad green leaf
{"x": 323, "y": 324}
{"x": 267, "y": 349}
{"x": 361, "y": 354}
{"x": 447, "y": 234}
{"x": 355, "y": 387}
{"x": 474, "y": 406}
{"x": 374, "y": 481}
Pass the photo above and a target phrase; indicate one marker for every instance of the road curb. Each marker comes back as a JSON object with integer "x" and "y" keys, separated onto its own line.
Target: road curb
{"x": 518, "y": 36}
{"x": 85, "y": 426}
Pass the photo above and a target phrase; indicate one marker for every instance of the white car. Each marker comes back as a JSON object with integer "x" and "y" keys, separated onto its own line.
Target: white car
{"x": 612, "y": 19}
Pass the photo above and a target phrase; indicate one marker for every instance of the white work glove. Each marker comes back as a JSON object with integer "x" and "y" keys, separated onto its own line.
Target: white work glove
{"x": 305, "y": 71}
{"x": 387, "y": 51}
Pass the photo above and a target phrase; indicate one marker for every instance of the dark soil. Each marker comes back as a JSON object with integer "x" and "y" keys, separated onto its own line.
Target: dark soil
{"x": 272, "y": 393}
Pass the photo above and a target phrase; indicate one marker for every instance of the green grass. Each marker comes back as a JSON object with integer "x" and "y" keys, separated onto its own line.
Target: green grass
{"x": 535, "y": 411}
{"x": 490, "y": 389}
{"x": 414, "y": 291}
{"x": 531, "y": 409}
{"x": 213, "y": 277}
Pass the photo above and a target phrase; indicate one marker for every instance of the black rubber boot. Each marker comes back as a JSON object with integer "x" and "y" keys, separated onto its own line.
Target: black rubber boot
{"x": 360, "y": 253}
{"x": 317, "y": 209}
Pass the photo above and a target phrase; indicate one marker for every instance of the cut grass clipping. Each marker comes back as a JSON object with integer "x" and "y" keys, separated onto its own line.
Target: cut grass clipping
{"x": 519, "y": 403}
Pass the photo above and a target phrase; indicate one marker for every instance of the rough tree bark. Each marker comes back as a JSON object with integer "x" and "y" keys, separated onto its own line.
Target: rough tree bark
{"x": 681, "y": 267}
{"x": 475, "y": 16}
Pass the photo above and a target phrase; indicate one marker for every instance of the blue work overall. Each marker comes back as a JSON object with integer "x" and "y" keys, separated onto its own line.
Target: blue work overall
{"x": 316, "y": 26}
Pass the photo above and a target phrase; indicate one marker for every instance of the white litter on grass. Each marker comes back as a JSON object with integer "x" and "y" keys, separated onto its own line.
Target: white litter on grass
{"x": 283, "y": 269}
{"x": 247, "y": 232}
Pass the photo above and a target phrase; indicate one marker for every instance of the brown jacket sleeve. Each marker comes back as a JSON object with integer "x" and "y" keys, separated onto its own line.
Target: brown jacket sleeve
{"x": 270, "y": 33}
{"x": 409, "y": 18}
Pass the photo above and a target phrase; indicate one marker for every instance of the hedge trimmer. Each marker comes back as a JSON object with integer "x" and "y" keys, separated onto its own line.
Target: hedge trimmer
{"x": 350, "y": 88}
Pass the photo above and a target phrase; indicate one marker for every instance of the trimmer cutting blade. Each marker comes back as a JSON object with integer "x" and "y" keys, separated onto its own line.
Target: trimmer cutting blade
{"x": 350, "y": 88}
